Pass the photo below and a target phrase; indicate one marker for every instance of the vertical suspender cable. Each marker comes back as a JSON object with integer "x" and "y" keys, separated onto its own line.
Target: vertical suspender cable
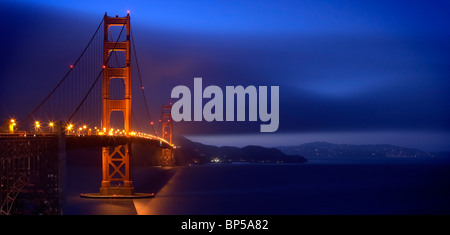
{"x": 62, "y": 80}
{"x": 140, "y": 80}
{"x": 98, "y": 76}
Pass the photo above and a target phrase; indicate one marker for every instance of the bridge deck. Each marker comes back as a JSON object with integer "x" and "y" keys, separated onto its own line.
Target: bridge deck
{"x": 86, "y": 141}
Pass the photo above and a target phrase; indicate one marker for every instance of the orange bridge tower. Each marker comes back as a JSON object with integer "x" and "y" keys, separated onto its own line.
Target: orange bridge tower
{"x": 116, "y": 162}
{"x": 167, "y": 154}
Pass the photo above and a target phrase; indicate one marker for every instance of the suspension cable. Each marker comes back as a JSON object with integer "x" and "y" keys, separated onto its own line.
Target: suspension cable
{"x": 64, "y": 78}
{"x": 99, "y": 74}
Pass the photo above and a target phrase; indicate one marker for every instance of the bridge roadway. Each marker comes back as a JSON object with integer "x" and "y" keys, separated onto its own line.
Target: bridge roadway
{"x": 87, "y": 141}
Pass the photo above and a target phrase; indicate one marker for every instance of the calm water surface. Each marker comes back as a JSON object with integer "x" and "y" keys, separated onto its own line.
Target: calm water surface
{"x": 392, "y": 186}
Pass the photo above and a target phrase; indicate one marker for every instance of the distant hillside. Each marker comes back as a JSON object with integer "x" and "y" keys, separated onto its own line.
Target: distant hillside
{"x": 188, "y": 152}
{"x": 323, "y": 149}
{"x": 194, "y": 152}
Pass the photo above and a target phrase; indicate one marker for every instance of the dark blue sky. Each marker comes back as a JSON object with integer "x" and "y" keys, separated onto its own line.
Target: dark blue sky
{"x": 348, "y": 71}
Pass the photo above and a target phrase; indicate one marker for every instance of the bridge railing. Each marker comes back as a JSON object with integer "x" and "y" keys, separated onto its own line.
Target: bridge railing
{"x": 22, "y": 134}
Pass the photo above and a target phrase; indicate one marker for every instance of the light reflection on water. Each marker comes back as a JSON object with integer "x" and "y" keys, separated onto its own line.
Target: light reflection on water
{"x": 321, "y": 186}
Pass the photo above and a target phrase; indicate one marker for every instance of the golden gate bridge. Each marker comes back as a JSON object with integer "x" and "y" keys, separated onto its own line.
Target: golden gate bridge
{"x": 91, "y": 106}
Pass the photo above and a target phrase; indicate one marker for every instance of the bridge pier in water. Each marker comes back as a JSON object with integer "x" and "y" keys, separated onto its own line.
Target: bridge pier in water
{"x": 116, "y": 168}
{"x": 167, "y": 157}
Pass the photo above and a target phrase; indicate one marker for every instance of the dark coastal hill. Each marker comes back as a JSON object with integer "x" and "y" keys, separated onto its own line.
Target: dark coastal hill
{"x": 194, "y": 152}
{"x": 328, "y": 150}
{"x": 189, "y": 152}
